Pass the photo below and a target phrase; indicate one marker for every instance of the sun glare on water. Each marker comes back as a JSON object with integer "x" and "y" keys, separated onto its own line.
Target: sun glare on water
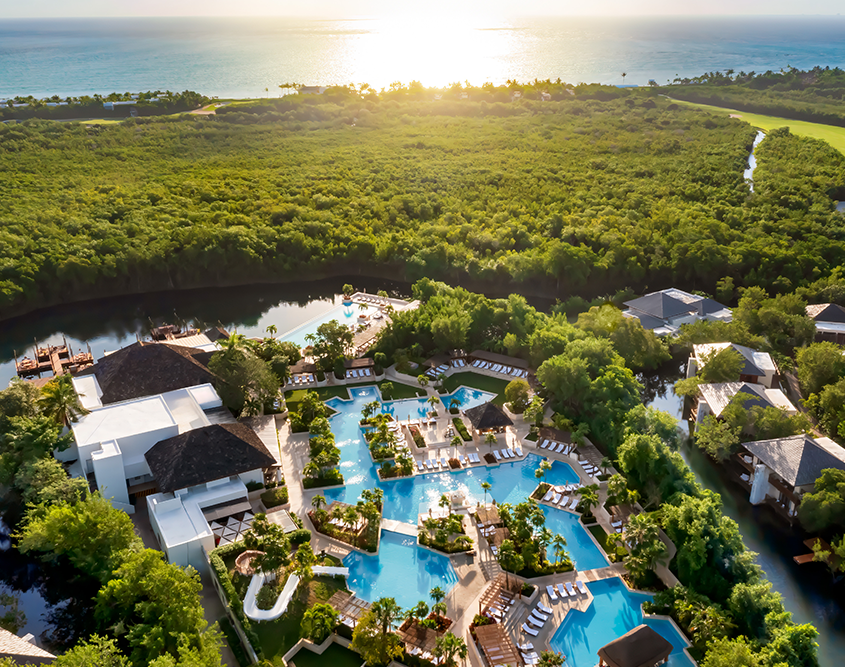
{"x": 430, "y": 49}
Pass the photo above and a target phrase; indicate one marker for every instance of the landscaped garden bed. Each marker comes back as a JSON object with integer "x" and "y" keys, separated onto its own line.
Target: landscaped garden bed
{"x": 461, "y": 428}
{"x": 616, "y": 553}
{"x": 275, "y": 497}
{"x": 356, "y": 525}
{"x": 419, "y": 440}
{"x": 446, "y": 534}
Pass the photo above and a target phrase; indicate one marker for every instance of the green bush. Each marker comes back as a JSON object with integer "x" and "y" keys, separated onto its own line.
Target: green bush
{"x": 275, "y": 497}
{"x": 300, "y": 536}
{"x": 220, "y": 570}
{"x": 462, "y": 429}
{"x": 254, "y": 486}
{"x": 527, "y": 589}
{"x": 267, "y": 596}
{"x": 419, "y": 440}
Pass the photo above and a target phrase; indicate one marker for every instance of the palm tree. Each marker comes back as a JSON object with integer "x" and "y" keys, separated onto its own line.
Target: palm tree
{"x": 490, "y": 439}
{"x": 486, "y": 486}
{"x": 272, "y": 330}
{"x": 605, "y": 464}
{"x": 624, "y": 74}
{"x": 589, "y": 498}
{"x": 350, "y": 516}
{"x": 418, "y": 611}
{"x": 509, "y": 559}
{"x": 422, "y": 380}
{"x": 60, "y": 402}
{"x": 445, "y": 503}
{"x": 318, "y": 501}
{"x": 433, "y": 401}
{"x": 438, "y": 595}
{"x": 233, "y": 343}
{"x": 545, "y": 466}
{"x": 386, "y": 612}
{"x": 448, "y": 648}
{"x": 559, "y": 542}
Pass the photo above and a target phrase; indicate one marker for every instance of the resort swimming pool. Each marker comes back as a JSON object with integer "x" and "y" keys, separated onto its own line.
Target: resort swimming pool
{"x": 344, "y": 314}
{"x": 467, "y": 398}
{"x": 615, "y": 611}
{"x": 404, "y": 499}
{"x": 400, "y": 570}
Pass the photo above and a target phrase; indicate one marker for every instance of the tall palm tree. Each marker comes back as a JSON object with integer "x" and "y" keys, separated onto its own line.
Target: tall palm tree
{"x": 272, "y": 330}
{"x": 486, "y": 486}
{"x": 386, "y": 612}
{"x": 490, "y": 439}
{"x": 624, "y": 74}
{"x": 559, "y": 542}
{"x": 60, "y": 402}
{"x": 318, "y": 501}
{"x": 433, "y": 401}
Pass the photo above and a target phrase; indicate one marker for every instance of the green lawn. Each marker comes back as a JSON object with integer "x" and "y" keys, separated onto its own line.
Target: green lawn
{"x": 483, "y": 382}
{"x": 294, "y": 396}
{"x": 335, "y": 655}
{"x": 833, "y": 135}
{"x": 403, "y": 390}
{"x": 601, "y": 537}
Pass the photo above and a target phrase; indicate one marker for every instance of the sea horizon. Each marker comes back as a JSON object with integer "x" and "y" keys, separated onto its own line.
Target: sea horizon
{"x": 248, "y": 57}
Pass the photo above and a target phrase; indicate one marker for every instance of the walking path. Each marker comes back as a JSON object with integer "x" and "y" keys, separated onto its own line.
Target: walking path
{"x": 399, "y": 527}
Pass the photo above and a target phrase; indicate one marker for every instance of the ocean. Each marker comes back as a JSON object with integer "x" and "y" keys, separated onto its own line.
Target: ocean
{"x": 251, "y": 57}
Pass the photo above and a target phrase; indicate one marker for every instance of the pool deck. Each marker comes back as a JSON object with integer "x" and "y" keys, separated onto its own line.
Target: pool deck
{"x": 399, "y": 527}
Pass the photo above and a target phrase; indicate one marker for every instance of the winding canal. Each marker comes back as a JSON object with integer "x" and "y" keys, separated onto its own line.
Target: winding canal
{"x": 109, "y": 324}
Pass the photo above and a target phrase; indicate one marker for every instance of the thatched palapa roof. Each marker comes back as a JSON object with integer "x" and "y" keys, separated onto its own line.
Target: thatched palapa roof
{"x": 488, "y": 416}
{"x": 640, "y": 647}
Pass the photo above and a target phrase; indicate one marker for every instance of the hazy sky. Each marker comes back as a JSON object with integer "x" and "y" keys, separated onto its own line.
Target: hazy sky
{"x": 377, "y": 8}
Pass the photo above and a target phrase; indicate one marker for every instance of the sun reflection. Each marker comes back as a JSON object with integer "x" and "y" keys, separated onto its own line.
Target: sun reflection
{"x": 434, "y": 49}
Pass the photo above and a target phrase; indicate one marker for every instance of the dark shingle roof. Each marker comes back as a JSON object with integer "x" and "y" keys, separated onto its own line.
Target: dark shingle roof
{"x": 661, "y": 305}
{"x": 648, "y": 322}
{"x": 798, "y": 459}
{"x": 216, "y": 333}
{"x": 206, "y": 454}
{"x": 488, "y": 416}
{"x": 708, "y": 306}
{"x": 147, "y": 369}
{"x": 640, "y": 647}
{"x": 826, "y": 312}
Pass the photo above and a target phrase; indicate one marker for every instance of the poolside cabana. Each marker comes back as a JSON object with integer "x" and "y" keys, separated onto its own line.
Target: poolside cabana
{"x": 497, "y": 646}
{"x": 488, "y": 417}
{"x": 488, "y": 516}
{"x": 640, "y": 647}
{"x": 555, "y": 435}
{"x": 349, "y": 607}
{"x": 417, "y": 638}
{"x": 438, "y": 360}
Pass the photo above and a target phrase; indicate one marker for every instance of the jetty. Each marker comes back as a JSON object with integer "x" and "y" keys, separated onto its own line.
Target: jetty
{"x": 55, "y": 359}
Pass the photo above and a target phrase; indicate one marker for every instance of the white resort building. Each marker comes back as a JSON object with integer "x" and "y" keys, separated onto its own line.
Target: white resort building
{"x": 758, "y": 367}
{"x": 714, "y": 398}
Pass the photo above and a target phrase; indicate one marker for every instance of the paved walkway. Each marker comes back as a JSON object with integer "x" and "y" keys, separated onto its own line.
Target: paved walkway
{"x": 399, "y": 527}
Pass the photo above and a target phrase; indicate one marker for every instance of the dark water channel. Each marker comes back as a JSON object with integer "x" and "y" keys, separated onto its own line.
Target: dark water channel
{"x": 53, "y": 605}
{"x": 808, "y": 590}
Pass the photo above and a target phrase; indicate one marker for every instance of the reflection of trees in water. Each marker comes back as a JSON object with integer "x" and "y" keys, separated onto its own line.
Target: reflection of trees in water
{"x": 657, "y": 382}
{"x": 68, "y": 608}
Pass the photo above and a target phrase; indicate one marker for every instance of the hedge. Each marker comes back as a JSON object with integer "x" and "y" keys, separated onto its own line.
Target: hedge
{"x": 300, "y": 536}
{"x": 219, "y": 568}
{"x": 275, "y": 497}
{"x": 462, "y": 429}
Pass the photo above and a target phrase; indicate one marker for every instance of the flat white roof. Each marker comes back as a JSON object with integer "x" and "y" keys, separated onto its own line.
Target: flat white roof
{"x": 112, "y": 422}
{"x": 88, "y": 389}
{"x": 831, "y": 327}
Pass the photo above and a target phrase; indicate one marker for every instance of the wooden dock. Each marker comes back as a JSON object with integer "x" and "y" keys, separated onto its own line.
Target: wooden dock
{"x": 53, "y": 359}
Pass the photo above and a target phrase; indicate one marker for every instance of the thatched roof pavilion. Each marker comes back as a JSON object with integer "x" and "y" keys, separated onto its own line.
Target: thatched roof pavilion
{"x": 640, "y": 647}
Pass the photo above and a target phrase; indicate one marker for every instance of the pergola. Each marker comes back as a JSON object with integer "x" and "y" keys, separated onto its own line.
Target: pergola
{"x": 497, "y": 591}
{"x": 418, "y": 636}
{"x": 498, "y": 648}
{"x": 640, "y": 647}
{"x": 350, "y": 608}
{"x": 488, "y": 516}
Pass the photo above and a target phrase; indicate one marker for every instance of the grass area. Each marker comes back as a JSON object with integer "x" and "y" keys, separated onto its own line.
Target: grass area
{"x": 294, "y": 396}
{"x": 482, "y": 382}
{"x": 403, "y": 390}
{"x": 833, "y": 135}
{"x": 277, "y": 637}
{"x": 601, "y": 537}
{"x": 335, "y": 655}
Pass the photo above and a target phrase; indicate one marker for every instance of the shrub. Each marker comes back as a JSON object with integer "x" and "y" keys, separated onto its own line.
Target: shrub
{"x": 254, "y": 486}
{"x": 527, "y": 589}
{"x": 300, "y": 536}
{"x": 267, "y": 596}
{"x": 275, "y": 497}
{"x": 220, "y": 570}
{"x": 462, "y": 429}
{"x": 321, "y": 376}
{"x": 419, "y": 440}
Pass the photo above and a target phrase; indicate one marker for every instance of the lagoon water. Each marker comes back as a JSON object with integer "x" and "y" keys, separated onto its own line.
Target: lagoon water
{"x": 231, "y": 57}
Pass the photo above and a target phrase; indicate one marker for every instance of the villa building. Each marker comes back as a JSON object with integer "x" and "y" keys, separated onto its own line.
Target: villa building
{"x": 665, "y": 311}
{"x": 829, "y": 319}
{"x": 758, "y": 367}
{"x": 780, "y": 471}
{"x": 714, "y": 398}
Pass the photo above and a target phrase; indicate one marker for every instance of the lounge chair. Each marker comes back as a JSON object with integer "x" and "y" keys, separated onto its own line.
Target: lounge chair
{"x": 428, "y": 464}
{"x": 518, "y": 451}
{"x": 530, "y": 655}
{"x": 574, "y": 503}
{"x": 462, "y": 460}
{"x": 511, "y": 455}
{"x": 561, "y": 589}
{"x": 560, "y": 448}
{"x": 581, "y": 587}
{"x": 443, "y": 462}
{"x": 564, "y": 501}
{"x": 527, "y": 646}
{"x": 616, "y": 524}
{"x": 548, "y": 495}
{"x": 544, "y": 444}
{"x": 538, "y": 619}
{"x": 551, "y": 591}
{"x": 497, "y": 455}
{"x": 555, "y": 499}
{"x": 420, "y": 466}
{"x": 570, "y": 589}
{"x": 530, "y": 631}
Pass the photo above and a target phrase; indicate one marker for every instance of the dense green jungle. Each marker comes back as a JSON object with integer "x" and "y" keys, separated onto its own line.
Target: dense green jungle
{"x": 594, "y": 190}
{"x": 814, "y": 95}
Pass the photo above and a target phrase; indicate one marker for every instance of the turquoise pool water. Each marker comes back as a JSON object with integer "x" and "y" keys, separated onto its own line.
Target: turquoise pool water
{"x": 467, "y": 398}
{"x": 406, "y": 408}
{"x": 615, "y": 611}
{"x": 405, "y": 499}
{"x": 343, "y": 314}
{"x": 400, "y": 570}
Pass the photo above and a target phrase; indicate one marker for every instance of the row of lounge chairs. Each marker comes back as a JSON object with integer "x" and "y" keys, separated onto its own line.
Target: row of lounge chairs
{"x": 567, "y": 590}
{"x": 529, "y": 655}
{"x": 508, "y": 453}
{"x": 499, "y": 607}
{"x": 442, "y": 463}
{"x": 534, "y": 623}
{"x": 425, "y": 655}
{"x": 359, "y": 373}
{"x": 588, "y": 467}
{"x": 303, "y": 378}
{"x": 559, "y": 447}
{"x": 563, "y": 497}
{"x": 499, "y": 368}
